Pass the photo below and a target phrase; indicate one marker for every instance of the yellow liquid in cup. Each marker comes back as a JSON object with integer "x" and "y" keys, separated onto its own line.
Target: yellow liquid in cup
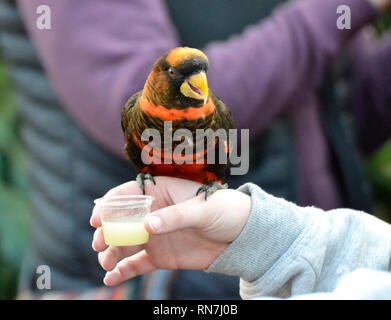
{"x": 129, "y": 232}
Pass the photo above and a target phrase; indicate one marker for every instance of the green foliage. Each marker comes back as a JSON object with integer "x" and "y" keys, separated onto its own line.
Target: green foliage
{"x": 379, "y": 164}
{"x": 14, "y": 217}
{"x": 379, "y": 171}
{"x": 383, "y": 23}
{"x": 13, "y": 230}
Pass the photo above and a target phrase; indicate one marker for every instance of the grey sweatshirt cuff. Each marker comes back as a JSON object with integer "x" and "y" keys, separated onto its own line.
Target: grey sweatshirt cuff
{"x": 273, "y": 226}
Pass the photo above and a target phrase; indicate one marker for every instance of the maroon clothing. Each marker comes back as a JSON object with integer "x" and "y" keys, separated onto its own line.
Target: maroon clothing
{"x": 98, "y": 53}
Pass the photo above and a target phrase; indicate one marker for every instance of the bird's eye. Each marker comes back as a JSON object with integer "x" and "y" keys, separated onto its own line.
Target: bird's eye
{"x": 171, "y": 72}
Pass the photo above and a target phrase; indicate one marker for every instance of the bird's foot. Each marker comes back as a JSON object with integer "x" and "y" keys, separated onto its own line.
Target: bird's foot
{"x": 211, "y": 187}
{"x": 141, "y": 177}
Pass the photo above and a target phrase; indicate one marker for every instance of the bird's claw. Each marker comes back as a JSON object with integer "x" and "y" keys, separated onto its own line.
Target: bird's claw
{"x": 141, "y": 177}
{"x": 211, "y": 188}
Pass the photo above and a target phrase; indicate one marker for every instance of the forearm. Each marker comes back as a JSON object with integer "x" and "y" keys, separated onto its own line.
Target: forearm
{"x": 288, "y": 250}
{"x": 101, "y": 53}
{"x": 97, "y": 54}
{"x": 259, "y": 73}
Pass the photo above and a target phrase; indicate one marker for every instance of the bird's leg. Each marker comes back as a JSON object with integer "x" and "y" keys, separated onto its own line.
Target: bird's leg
{"x": 211, "y": 187}
{"x": 141, "y": 177}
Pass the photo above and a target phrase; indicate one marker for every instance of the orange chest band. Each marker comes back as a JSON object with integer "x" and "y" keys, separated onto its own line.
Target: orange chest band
{"x": 165, "y": 114}
{"x": 171, "y": 155}
{"x": 163, "y": 155}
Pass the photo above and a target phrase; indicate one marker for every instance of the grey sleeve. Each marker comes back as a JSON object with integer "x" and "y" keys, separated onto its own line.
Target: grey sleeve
{"x": 285, "y": 250}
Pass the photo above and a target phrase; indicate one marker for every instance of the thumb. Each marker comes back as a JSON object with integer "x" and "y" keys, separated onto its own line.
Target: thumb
{"x": 187, "y": 214}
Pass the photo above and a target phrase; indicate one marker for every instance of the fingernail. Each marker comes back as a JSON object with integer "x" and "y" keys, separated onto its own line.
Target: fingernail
{"x": 154, "y": 222}
{"x": 93, "y": 239}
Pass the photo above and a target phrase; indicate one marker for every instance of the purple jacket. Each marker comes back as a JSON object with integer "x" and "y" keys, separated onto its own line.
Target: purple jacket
{"x": 98, "y": 53}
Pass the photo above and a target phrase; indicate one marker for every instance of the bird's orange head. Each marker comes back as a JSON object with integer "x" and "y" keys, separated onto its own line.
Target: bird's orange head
{"x": 178, "y": 79}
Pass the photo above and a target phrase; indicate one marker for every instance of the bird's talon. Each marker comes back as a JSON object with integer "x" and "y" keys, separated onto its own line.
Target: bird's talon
{"x": 200, "y": 189}
{"x": 141, "y": 177}
{"x": 211, "y": 188}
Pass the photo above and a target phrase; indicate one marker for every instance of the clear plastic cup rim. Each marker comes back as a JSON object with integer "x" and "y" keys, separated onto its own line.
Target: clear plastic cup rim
{"x": 125, "y": 201}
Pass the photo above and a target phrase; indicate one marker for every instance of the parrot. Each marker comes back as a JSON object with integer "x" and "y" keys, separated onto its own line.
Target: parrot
{"x": 176, "y": 90}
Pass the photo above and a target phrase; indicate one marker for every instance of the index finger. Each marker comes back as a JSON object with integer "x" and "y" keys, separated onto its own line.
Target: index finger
{"x": 130, "y": 187}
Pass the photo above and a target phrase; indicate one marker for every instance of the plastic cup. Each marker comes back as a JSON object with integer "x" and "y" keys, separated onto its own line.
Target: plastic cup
{"x": 123, "y": 219}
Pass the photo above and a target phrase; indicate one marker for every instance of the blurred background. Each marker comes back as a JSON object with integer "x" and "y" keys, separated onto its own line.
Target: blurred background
{"x": 14, "y": 206}
{"x": 14, "y": 188}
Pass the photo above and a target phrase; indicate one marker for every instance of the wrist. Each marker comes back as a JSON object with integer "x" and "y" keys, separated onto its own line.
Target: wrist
{"x": 243, "y": 212}
{"x": 273, "y": 226}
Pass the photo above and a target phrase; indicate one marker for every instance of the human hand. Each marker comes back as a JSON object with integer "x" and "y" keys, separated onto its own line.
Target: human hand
{"x": 381, "y": 5}
{"x": 186, "y": 232}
